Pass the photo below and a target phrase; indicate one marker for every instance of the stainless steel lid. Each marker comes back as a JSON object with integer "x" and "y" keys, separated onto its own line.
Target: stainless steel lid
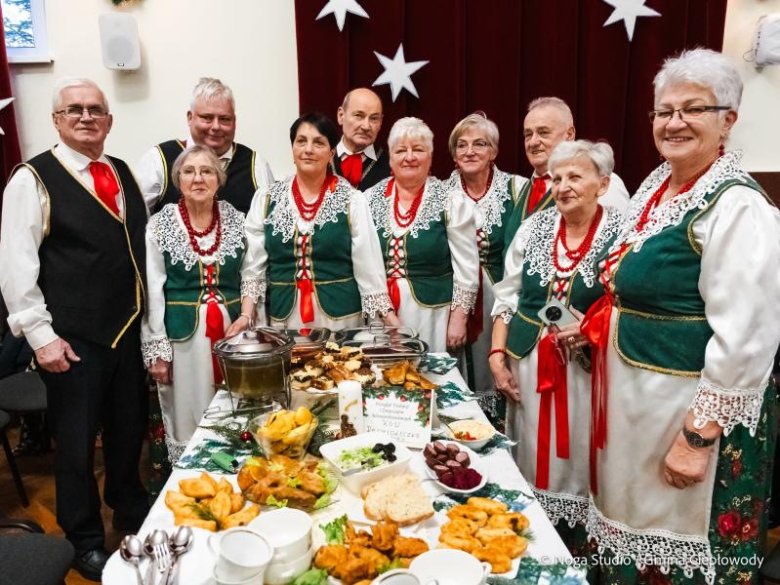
{"x": 252, "y": 343}
{"x": 375, "y": 334}
{"x": 308, "y": 339}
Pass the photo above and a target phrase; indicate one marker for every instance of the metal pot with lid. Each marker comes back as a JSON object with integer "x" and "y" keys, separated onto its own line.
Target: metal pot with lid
{"x": 255, "y": 364}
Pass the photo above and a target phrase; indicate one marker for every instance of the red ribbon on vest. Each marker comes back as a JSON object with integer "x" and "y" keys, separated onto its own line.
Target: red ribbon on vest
{"x": 352, "y": 168}
{"x": 551, "y": 384}
{"x": 215, "y": 325}
{"x": 595, "y": 327}
{"x": 394, "y": 292}
{"x": 475, "y": 324}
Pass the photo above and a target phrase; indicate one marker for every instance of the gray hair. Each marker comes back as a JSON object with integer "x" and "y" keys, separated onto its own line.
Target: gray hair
{"x": 705, "y": 68}
{"x": 410, "y": 128}
{"x": 553, "y": 102}
{"x": 599, "y": 153}
{"x": 475, "y": 121}
{"x": 193, "y": 150}
{"x": 211, "y": 88}
{"x": 65, "y": 82}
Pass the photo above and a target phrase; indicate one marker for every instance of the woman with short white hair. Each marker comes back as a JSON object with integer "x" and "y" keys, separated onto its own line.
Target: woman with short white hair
{"x": 539, "y": 365}
{"x": 684, "y": 340}
{"x": 428, "y": 243}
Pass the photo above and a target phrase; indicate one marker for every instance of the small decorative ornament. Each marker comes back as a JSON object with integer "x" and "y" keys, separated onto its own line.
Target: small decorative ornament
{"x": 245, "y": 436}
{"x": 398, "y": 72}
{"x": 339, "y": 9}
{"x": 628, "y": 11}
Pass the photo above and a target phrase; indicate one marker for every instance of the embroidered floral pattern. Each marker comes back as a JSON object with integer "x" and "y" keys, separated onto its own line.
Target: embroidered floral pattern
{"x": 491, "y": 205}
{"x": 171, "y": 236}
{"x": 435, "y": 200}
{"x": 175, "y": 450}
{"x": 540, "y": 239}
{"x": 559, "y": 506}
{"x": 285, "y": 217}
{"x": 254, "y": 288}
{"x": 158, "y": 347}
{"x": 463, "y": 297}
{"x": 374, "y": 303}
{"x": 728, "y": 407}
{"x": 672, "y": 212}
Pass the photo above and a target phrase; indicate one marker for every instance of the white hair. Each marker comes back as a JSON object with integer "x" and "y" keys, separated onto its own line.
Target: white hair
{"x": 553, "y": 102}
{"x": 65, "y": 82}
{"x": 211, "y": 88}
{"x": 703, "y": 67}
{"x": 477, "y": 121}
{"x": 599, "y": 153}
{"x": 410, "y": 128}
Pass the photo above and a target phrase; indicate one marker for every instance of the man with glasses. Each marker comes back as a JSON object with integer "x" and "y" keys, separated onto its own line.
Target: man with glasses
{"x": 73, "y": 258}
{"x": 357, "y": 159}
{"x": 548, "y": 122}
{"x": 212, "y": 122}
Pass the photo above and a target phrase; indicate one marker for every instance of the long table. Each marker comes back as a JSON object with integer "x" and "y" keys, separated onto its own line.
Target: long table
{"x": 196, "y": 566}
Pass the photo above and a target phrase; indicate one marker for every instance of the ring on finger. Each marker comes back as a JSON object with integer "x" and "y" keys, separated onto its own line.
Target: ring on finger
{"x": 571, "y": 340}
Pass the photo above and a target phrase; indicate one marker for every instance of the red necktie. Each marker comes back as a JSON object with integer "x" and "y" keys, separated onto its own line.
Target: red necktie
{"x": 106, "y": 186}
{"x": 352, "y": 168}
{"x": 538, "y": 190}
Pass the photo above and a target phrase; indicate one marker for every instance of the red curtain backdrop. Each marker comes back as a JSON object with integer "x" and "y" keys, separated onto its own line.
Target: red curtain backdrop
{"x": 10, "y": 153}
{"x": 498, "y": 55}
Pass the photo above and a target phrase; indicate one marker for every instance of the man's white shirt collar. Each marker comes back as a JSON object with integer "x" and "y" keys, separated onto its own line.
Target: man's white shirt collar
{"x": 342, "y": 150}
{"x": 74, "y": 159}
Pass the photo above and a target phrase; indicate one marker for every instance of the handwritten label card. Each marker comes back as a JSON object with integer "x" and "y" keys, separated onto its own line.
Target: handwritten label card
{"x": 404, "y": 415}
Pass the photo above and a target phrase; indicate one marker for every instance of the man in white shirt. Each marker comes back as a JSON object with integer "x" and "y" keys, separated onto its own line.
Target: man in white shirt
{"x": 212, "y": 122}
{"x": 72, "y": 255}
{"x": 548, "y": 122}
{"x": 357, "y": 158}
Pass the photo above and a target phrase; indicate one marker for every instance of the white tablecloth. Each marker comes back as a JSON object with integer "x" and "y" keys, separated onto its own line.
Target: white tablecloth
{"x": 197, "y": 564}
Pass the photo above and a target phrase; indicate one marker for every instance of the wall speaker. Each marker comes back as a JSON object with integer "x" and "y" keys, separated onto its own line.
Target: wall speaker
{"x": 119, "y": 41}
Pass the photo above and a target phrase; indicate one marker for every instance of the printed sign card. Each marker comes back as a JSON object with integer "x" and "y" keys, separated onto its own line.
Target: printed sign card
{"x": 404, "y": 415}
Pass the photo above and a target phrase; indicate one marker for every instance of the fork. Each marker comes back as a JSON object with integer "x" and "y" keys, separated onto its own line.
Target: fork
{"x": 162, "y": 557}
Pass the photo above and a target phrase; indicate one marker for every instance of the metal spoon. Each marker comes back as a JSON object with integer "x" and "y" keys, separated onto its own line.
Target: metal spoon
{"x": 153, "y": 540}
{"x": 132, "y": 550}
{"x": 179, "y": 543}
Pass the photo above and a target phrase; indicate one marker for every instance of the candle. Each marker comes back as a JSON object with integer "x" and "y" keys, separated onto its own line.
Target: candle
{"x": 351, "y": 404}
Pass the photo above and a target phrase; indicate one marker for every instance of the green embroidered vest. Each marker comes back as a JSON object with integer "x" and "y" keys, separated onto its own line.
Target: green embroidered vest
{"x": 661, "y": 324}
{"x": 522, "y": 212}
{"x": 491, "y": 249}
{"x": 328, "y": 257}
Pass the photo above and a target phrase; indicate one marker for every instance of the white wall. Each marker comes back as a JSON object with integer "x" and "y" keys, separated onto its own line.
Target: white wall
{"x": 249, "y": 44}
{"x": 757, "y": 131}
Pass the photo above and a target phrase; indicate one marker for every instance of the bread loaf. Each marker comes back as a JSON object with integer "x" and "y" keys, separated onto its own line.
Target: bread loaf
{"x": 399, "y": 499}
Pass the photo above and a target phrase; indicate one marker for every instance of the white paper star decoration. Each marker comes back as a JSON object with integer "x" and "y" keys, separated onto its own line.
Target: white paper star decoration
{"x": 4, "y": 103}
{"x": 628, "y": 11}
{"x": 339, "y": 9}
{"x": 398, "y": 72}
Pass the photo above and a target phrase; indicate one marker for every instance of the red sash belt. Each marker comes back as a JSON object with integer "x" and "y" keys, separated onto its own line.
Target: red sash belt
{"x": 215, "y": 325}
{"x": 595, "y": 327}
{"x": 475, "y": 324}
{"x": 551, "y": 382}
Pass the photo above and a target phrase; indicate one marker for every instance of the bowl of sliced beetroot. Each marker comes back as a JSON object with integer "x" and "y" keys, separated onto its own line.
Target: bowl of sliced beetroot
{"x": 456, "y": 468}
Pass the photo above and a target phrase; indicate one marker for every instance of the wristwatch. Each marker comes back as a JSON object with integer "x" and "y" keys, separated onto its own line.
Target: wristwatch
{"x": 696, "y": 439}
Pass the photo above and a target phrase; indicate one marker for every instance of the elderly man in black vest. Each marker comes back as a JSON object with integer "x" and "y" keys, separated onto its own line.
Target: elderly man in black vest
{"x": 72, "y": 252}
{"x": 212, "y": 122}
{"x": 357, "y": 159}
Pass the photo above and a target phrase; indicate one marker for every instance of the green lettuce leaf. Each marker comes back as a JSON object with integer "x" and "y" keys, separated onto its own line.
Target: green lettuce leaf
{"x": 335, "y": 530}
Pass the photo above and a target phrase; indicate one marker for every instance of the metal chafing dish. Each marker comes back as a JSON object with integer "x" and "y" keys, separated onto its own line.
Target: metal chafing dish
{"x": 385, "y": 346}
{"x": 308, "y": 341}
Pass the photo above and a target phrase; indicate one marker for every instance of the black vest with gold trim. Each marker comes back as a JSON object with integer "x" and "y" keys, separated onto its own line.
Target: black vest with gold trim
{"x": 373, "y": 170}
{"x": 239, "y": 188}
{"x": 92, "y": 264}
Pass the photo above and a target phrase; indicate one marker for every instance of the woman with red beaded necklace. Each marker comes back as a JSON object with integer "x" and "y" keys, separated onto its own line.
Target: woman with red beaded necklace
{"x": 194, "y": 251}
{"x": 683, "y": 344}
{"x": 490, "y": 196}
{"x": 427, "y": 237}
{"x": 554, "y": 256}
{"x": 311, "y": 239}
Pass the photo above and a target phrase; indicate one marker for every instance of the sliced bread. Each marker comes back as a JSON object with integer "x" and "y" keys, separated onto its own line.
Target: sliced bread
{"x": 399, "y": 499}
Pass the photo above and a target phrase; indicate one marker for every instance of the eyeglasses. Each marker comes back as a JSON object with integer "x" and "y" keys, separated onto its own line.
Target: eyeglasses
{"x": 686, "y": 113}
{"x": 478, "y": 146}
{"x": 95, "y": 112}
{"x": 205, "y": 172}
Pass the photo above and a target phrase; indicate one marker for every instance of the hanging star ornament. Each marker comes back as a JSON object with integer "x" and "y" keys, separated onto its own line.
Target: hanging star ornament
{"x": 339, "y": 9}
{"x": 4, "y": 103}
{"x": 398, "y": 72}
{"x": 628, "y": 11}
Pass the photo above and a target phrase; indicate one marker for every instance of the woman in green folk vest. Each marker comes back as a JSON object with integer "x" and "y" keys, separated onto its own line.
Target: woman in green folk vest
{"x": 194, "y": 251}
{"x": 684, "y": 434}
{"x": 427, "y": 237}
{"x": 312, "y": 243}
{"x": 542, "y": 371}
{"x": 490, "y": 196}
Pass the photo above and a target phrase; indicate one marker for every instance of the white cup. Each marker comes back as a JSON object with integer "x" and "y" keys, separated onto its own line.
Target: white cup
{"x": 402, "y": 577}
{"x": 287, "y": 530}
{"x": 282, "y": 573}
{"x": 450, "y": 567}
{"x": 241, "y": 554}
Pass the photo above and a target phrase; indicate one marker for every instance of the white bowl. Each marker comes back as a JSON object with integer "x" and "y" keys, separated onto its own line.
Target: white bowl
{"x": 357, "y": 481}
{"x": 282, "y": 573}
{"x": 476, "y": 464}
{"x": 450, "y": 567}
{"x": 476, "y": 444}
{"x": 287, "y": 530}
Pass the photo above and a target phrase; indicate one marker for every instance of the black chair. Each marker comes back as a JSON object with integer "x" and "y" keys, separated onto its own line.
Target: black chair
{"x": 33, "y": 558}
{"x": 23, "y": 392}
{"x": 9, "y": 455}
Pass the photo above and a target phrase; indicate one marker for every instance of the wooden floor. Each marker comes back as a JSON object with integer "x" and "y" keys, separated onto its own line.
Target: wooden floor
{"x": 39, "y": 481}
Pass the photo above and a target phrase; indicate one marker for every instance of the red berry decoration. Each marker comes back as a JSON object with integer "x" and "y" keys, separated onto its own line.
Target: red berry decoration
{"x": 246, "y": 436}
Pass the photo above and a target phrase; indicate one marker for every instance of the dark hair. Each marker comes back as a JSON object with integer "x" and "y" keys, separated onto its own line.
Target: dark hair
{"x": 321, "y": 122}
